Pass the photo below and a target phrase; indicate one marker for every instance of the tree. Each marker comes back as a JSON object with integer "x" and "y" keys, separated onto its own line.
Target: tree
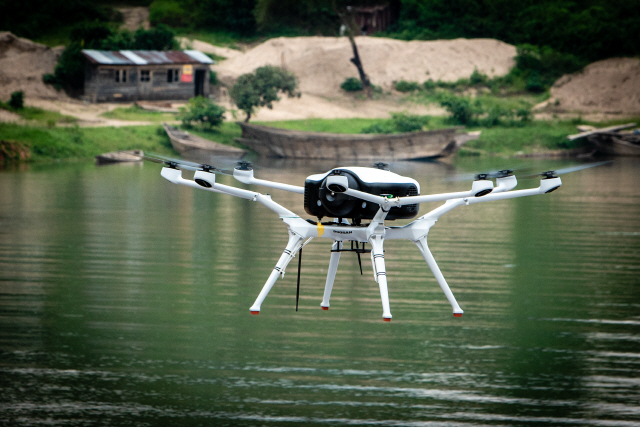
{"x": 261, "y": 88}
{"x": 202, "y": 110}
{"x": 351, "y": 28}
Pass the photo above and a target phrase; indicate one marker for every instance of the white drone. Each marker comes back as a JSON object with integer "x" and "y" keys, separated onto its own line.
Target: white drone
{"x": 349, "y": 195}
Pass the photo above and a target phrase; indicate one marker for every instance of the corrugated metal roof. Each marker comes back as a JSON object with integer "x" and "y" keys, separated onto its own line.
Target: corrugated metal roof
{"x": 144, "y": 57}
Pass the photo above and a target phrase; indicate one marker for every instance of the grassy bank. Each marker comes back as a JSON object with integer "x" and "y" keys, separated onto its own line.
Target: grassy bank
{"x": 51, "y": 143}
{"x": 46, "y": 144}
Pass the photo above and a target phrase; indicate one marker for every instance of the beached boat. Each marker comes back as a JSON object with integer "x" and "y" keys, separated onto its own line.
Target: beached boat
{"x": 612, "y": 141}
{"x": 130, "y": 156}
{"x": 195, "y": 146}
{"x": 284, "y": 143}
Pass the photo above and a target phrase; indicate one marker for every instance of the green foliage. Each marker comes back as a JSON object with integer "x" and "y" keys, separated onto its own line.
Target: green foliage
{"x": 169, "y": 12}
{"x": 399, "y": 123}
{"x": 17, "y": 100}
{"x": 591, "y": 29}
{"x": 137, "y": 113}
{"x": 405, "y": 86}
{"x": 213, "y": 77}
{"x": 540, "y": 67}
{"x": 202, "y": 111}
{"x": 234, "y": 16}
{"x": 478, "y": 78}
{"x": 462, "y": 110}
{"x": 33, "y": 18}
{"x": 309, "y": 17}
{"x": 351, "y": 84}
{"x": 261, "y": 88}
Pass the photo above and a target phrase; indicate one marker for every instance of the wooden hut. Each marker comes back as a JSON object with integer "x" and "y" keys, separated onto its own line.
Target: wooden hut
{"x": 136, "y": 75}
{"x": 371, "y": 19}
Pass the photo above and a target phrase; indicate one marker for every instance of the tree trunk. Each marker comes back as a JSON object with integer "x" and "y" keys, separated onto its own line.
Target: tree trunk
{"x": 351, "y": 27}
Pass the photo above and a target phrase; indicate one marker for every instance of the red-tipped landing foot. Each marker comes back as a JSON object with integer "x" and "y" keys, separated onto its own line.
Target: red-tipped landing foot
{"x": 325, "y": 308}
{"x": 255, "y": 312}
{"x": 457, "y": 314}
{"x": 386, "y": 319}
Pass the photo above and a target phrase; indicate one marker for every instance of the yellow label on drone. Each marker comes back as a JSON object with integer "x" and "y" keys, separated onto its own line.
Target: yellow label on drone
{"x": 320, "y": 229}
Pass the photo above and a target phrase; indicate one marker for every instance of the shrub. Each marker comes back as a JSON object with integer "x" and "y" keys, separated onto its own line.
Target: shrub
{"x": 399, "y": 123}
{"x": 405, "y": 86}
{"x": 461, "y": 109}
{"x": 478, "y": 78}
{"x": 351, "y": 84}
{"x": 17, "y": 100}
{"x": 202, "y": 110}
{"x": 429, "y": 85}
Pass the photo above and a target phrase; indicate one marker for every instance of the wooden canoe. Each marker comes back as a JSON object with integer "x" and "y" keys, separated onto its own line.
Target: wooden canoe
{"x": 283, "y": 143}
{"x": 195, "y": 146}
{"x": 616, "y": 143}
{"x": 119, "y": 157}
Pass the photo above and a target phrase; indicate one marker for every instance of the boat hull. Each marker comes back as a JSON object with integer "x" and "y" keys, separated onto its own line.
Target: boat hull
{"x": 283, "y": 143}
{"x": 192, "y": 145}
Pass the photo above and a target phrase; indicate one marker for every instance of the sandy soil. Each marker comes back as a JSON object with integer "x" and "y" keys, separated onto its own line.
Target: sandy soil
{"x": 22, "y": 64}
{"x": 322, "y": 63}
{"x": 609, "y": 87}
{"x": 225, "y": 52}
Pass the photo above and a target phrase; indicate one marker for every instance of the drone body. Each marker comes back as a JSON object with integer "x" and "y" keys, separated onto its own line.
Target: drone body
{"x": 348, "y": 196}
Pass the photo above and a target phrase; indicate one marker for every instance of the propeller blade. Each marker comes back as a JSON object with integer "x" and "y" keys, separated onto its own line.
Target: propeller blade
{"x": 580, "y": 167}
{"x": 184, "y": 164}
{"x": 555, "y": 173}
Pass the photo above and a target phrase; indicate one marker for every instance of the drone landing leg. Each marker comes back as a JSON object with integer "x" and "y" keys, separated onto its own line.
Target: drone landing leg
{"x": 428, "y": 257}
{"x": 294, "y": 245}
{"x": 377, "y": 258}
{"x": 331, "y": 275}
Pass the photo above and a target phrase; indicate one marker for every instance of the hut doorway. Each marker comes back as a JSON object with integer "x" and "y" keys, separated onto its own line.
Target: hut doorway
{"x": 199, "y": 86}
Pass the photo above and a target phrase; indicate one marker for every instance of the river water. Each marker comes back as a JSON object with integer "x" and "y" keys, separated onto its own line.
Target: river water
{"x": 124, "y": 300}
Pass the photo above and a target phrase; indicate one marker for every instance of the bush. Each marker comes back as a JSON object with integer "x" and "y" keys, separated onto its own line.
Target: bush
{"x": 405, "y": 86}
{"x": 461, "y": 109}
{"x": 429, "y": 85}
{"x": 399, "y": 123}
{"x": 202, "y": 110}
{"x": 17, "y": 100}
{"x": 351, "y": 84}
{"x": 478, "y": 78}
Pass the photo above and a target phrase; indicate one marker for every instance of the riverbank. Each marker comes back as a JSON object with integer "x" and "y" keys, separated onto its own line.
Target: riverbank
{"x": 64, "y": 143}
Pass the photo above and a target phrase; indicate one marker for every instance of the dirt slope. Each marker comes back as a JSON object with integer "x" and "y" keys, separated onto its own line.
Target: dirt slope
{"x": 611, "y": 86}
{"x": 22, "y": 64}
{"x": 322, "y": 63}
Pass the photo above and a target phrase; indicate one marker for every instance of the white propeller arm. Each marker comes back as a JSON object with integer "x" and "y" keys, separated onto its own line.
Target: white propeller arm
{"x": 546, "y": 186}
{"x": 246, "y": 177}
{"x": 477, "y": 188}
{"x": 175, "y": 176}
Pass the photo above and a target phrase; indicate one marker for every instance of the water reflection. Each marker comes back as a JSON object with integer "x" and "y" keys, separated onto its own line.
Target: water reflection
{"x": 124, "y": 299}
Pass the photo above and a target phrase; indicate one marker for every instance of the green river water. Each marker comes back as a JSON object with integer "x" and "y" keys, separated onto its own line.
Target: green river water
{"x": 124, "y": 300}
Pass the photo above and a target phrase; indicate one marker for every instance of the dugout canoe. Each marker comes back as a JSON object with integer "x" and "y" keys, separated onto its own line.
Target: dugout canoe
{"x": 194, "y": 146}
{"x": 284, "y": 143}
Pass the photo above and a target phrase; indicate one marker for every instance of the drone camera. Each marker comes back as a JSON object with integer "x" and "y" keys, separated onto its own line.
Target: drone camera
{"x": 481, "y": 187}
{"x": 325, "y": 196}
{"x": 204, "y": 179}
{"x": 337, "y": 183}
